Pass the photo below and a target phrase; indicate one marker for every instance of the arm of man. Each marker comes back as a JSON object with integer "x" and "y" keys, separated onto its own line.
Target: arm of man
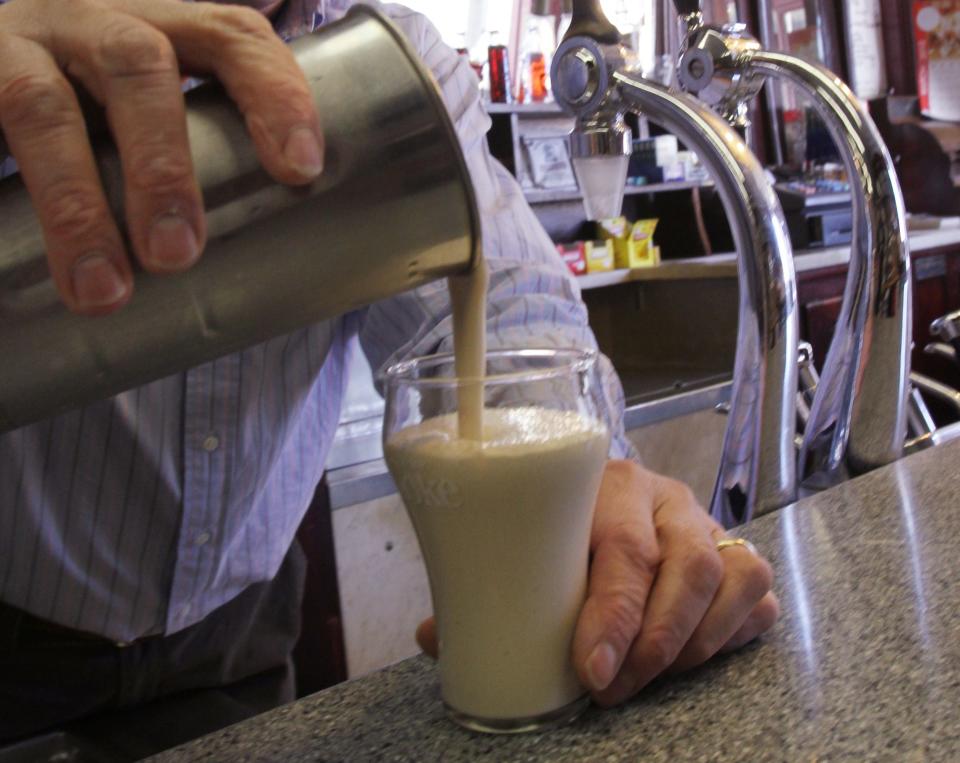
{"x": 661, "y": 594}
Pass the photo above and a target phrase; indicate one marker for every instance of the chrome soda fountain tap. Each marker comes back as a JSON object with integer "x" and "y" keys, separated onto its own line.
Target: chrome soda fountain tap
{"x": 593, "y": 82}
{"x": 858, "y": 420}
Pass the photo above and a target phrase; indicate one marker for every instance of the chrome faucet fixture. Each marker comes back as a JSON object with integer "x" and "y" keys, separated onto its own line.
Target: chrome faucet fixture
{"x": 858, "y": 420}
{"x": 594, "y": 83}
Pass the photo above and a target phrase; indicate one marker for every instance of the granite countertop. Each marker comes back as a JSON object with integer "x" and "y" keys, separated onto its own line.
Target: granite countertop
{"x": 864, "y": 664}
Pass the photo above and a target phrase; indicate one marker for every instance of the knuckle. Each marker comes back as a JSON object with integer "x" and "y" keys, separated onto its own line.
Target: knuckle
{"x": 680, "y": 492}
{"x": 621, "y": 470}
{"x": 128, "y": 47}
{"x": 754, "y": 578}
{"x": 703, "y": 568}
{"x": 661, "y": 647}
{"x": 291, "y": 97}
{"x": 240, "y": 21}
{"x": 628, "y": 476}
{"x": 623, "y": 610}
{"x": 634, "y": 547}
{"x": 37, "y": 100}
{"x": 72, "y": 210}
{"x": 762, "y": 576}
{"x": 699, "y": 650}
{"x": 768, "y": 612}
{"x": 160, "y": 170}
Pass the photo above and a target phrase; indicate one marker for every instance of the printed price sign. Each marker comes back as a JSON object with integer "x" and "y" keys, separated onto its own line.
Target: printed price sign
{"x": 936, "y": 25}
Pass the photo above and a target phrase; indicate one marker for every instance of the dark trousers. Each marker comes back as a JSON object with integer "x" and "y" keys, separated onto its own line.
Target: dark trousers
{"x": 159, "y": 691}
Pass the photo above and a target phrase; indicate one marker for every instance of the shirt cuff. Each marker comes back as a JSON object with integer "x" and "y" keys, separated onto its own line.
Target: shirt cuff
{"x": 297, "y": 18}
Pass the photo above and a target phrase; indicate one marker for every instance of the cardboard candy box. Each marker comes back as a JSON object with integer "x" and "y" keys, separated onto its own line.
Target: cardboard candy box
{"x": 633, "y": 243}
{"x": 575, "y": 256}
{"x": 601, "y": 257}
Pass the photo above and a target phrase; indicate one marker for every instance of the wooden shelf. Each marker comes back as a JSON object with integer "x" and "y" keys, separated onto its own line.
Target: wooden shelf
{"x": 534, "y": 196}
{"x": 522, "y": 108}
{"x": 714, "y": 266}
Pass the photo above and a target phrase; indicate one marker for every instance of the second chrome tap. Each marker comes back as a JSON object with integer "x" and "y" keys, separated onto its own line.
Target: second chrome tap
{"x": 858, "y": 420}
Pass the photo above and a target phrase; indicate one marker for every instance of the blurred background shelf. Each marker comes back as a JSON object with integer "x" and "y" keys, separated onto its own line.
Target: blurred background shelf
{"x": 536, "y": 196}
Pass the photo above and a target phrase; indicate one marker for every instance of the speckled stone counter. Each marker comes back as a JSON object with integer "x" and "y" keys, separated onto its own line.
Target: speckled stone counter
{"x": 864, "y": 664}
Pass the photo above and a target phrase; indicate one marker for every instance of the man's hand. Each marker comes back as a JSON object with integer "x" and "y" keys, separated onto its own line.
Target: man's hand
{"x": 129, "y": 55}
{"x": 661, "y": 598}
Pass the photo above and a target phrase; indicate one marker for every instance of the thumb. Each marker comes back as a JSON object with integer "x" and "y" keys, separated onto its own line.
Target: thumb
{"x": 624, "y": 564}
{"x": 621, "y": 576}
{"x": 427, "y": 637}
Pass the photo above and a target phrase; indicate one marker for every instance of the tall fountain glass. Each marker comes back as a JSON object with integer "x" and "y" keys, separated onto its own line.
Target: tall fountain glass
{"x": 503, "y": 524}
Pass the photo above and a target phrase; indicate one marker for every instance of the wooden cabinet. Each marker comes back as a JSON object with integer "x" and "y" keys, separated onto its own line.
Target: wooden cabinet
{"x": 936, "y": 279}
{"x": 820, "y": 297}
{"x": 384, "y": 591}
{"x": 936, "y": 291}
{"x": 318, "y": 658}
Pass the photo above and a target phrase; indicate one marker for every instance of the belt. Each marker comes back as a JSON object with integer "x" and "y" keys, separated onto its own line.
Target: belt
{"x": 19, "y": 627}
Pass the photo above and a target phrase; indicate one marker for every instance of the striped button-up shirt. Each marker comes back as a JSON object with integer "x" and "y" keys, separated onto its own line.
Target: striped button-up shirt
{"x": 141, "y": 514}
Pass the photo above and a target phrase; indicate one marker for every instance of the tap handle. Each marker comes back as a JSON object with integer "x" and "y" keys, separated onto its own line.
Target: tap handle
{"x": 589, "y": 21}
{"x": 686, "y": 7}
{"x": 947, "y": 327}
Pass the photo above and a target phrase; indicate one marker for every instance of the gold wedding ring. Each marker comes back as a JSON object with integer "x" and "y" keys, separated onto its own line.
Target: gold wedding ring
{"x": 732, "y": 542}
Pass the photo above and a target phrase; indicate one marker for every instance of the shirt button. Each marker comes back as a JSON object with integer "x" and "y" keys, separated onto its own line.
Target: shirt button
{"x": 203, "y": 538}
{"x": 211, "y": 443}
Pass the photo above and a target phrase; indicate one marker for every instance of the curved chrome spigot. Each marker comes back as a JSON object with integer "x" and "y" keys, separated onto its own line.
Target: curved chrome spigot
{"x": 758, "y": 464}
{"x": 707, "y": 65}
{"x": 859, "y": 417}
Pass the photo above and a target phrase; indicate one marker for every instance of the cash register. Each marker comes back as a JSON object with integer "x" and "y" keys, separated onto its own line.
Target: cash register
{"x": 819, "y": 212}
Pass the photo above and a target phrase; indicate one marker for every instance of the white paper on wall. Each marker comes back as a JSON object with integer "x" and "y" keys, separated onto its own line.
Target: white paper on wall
{"x": 868, "y": 73}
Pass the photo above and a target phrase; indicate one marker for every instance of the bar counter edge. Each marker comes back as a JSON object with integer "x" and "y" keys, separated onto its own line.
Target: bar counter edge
{"x": 863, "y": 665}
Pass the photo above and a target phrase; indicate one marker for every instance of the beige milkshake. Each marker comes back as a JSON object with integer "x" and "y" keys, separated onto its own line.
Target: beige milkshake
{"x": 502, "y": 501}
{"x": 504, "y": 525}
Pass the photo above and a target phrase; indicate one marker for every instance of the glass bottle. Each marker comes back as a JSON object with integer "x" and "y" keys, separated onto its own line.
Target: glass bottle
{"x": 566, "y": 18}
{"x": 498, "y": 70}
{"x": 538, "y": 45}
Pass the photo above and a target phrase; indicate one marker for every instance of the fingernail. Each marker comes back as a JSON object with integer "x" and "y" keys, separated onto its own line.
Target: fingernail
{"x": 172, "y": 244}
{"x": 97, "y": 282}
{"x": 601, "y": 666}
{"x": 302, "y": 151}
